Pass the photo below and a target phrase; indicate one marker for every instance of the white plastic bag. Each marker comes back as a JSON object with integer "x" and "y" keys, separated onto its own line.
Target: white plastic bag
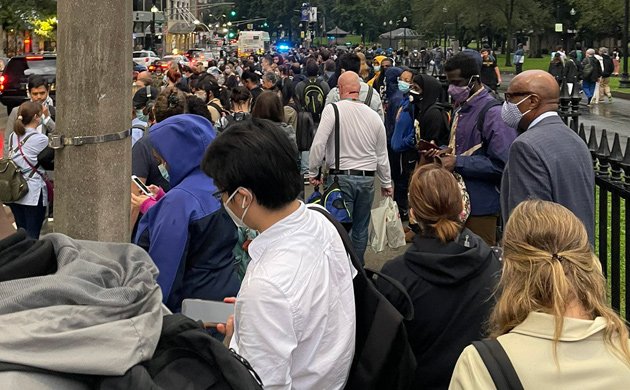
{"x": 387, "y": 227}
{"x": 395, "y": 231}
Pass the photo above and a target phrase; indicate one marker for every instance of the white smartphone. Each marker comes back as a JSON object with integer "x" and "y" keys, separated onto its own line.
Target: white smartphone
{"x": 145, "y": 190}
{"x": 207, "y": 311}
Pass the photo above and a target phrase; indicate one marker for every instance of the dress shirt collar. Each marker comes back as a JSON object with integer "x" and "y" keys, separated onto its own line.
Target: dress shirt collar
{"x": 541, "y": 117}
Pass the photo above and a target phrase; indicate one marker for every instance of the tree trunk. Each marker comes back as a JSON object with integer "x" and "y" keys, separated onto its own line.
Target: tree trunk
{"x": 508, "y": 45}
{"x": 94, "y": 98}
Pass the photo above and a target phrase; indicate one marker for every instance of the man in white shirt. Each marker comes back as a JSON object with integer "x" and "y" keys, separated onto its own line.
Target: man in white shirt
{"x": 350, "y": 62}
{"x": 363, "y": 153}
{"x": 294, "y": 316}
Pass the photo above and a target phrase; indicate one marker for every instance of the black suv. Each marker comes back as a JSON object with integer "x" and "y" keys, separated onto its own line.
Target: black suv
{"x": 14, "y": 79}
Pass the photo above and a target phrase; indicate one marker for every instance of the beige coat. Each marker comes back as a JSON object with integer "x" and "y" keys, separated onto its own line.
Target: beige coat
{"x": 585, "y": 362}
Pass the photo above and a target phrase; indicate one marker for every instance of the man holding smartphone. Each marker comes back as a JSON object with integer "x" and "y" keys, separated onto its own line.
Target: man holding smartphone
{"x": 38, "y": 91}
{"x": 294, "y": 317}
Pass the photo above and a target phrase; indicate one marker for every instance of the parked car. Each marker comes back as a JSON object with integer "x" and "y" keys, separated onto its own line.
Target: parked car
{"x": 144, "y": 57}
{"x": 14, "y": 79}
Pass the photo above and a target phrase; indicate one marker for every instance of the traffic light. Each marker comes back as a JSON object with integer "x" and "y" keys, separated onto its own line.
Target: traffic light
{"x": 231, "y": 34}
{"x": 265, "y": 24}
{"x": 233, "y": 13}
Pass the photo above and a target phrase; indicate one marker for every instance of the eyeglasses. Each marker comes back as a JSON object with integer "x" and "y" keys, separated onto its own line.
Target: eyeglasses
{"x": 510, "y": 95}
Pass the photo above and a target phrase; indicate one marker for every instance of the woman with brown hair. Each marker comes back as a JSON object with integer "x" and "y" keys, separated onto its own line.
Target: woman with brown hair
{"x": 450, "y": 274}
{"x": 25, "y": 144}
{"x": 268, "y": 106}
{"x": 552, "y": 318}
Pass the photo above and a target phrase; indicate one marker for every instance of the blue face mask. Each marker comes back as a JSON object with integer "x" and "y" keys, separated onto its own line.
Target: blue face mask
{"x": 164, "y": 172}
{"x": 142, "y": 116}
{"x": 403, "y": 86}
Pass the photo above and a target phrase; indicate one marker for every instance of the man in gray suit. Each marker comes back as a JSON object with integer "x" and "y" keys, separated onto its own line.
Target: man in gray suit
{"x": 548, "y": 160}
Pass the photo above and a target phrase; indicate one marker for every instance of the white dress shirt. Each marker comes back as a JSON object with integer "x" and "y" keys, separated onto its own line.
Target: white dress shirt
{"x": 294, "y": 315}
{"x": 362, "y": 141}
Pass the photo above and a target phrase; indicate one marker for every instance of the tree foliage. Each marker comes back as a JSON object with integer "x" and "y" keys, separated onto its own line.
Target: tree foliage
{"x": 18, "y": 13}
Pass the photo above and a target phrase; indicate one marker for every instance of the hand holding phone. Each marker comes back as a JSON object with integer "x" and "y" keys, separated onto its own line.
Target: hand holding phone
{"x": 141, "y": 186}
{"x": 210, "y": 313}
{"x": 426, "y": 145}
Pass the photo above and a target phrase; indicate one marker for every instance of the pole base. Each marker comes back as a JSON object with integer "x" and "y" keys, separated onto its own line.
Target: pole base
{"x": 624, "y": 82}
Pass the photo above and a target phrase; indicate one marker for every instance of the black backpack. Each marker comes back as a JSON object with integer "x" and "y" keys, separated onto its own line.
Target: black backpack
{"x": 313, "y": 98}
{"x": 383, "y": 358}
{"x": 305, "y": 131}
{"x": 187, "y": 357}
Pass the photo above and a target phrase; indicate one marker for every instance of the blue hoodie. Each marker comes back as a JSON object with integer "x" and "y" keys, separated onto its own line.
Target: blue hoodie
{"x": 394, "y": 99}
{"x": 188, "y": 234}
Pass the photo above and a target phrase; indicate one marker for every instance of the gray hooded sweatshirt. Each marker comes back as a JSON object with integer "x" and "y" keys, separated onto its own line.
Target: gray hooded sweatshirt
{"x": 99, "y": 314}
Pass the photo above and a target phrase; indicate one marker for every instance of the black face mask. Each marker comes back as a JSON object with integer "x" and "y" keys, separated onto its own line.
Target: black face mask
{"x": 415, "y": 97}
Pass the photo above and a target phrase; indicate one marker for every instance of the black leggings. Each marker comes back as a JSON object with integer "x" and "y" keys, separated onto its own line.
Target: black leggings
{"x": 29, "y": 218}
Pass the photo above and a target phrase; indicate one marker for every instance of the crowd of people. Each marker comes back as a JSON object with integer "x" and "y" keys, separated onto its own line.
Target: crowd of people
{"x": 498, "y": 195}
{"x": 589, "y": 69}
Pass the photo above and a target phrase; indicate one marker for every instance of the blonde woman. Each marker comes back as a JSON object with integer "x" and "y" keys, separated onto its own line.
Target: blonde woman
{"x": 552, "y": 318}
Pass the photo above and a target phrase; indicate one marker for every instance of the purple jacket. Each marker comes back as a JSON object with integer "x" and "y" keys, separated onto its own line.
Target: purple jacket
{"x": 483, "y": 169}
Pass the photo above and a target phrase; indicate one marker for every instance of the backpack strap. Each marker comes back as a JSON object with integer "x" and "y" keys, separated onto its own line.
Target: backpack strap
{"x": 498, "y": 364}
{"x": 481, "y": 118}
{"x": 337, "y": 151}
{"x": 368, "y": 99}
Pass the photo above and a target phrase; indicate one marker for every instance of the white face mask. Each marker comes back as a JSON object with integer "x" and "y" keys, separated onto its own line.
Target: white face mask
{"x": 240, "y": 222}
{"x": 510, "y": 113}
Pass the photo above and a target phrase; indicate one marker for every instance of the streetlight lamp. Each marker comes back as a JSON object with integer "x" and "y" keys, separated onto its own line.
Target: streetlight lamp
{"x": 625, "y": 79}
{"x": 405, "y": 33}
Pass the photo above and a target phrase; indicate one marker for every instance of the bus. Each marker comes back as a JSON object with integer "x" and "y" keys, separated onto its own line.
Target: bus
{"x": 252, "y": 42}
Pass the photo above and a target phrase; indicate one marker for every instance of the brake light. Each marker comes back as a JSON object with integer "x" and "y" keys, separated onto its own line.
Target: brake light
{"x": 34, "y": 58}
{"x": 3, "y": 81}
{"x": 151, "y": 68}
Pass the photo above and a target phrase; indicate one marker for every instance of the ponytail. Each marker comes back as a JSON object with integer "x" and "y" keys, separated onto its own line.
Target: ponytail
{"x": 446, "y": 229}
{"x": 25, "y": 115}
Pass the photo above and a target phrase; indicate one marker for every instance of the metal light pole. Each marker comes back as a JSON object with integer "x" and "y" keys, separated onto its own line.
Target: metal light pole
{"x": 154, "y": 10}
{"x": 445, "y": 11}
{"x": 625, "y": 79}
{"x": 362, "y": 36}
{"x": 391, "y": 23}
{"x": 405, "y": 33}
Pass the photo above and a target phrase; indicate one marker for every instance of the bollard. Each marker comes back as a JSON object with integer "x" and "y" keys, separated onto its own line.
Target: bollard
{"x": 615, "y": 158}
{"x": 603, "y": 155}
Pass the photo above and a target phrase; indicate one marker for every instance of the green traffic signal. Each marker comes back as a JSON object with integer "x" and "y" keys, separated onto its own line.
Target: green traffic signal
{"x": 231, "y": 34}
{"x": 233, "y": 13}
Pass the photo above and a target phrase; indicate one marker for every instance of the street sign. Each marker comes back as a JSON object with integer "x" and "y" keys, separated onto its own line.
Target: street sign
{"x": 558, "y": 27}
{"x": 250, "y": 26}
{"x": 147, "y": 17}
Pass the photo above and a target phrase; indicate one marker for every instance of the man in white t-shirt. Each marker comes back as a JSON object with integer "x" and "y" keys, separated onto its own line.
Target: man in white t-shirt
{"x": 294, "y": 317}
{"x": 363, "y": 154}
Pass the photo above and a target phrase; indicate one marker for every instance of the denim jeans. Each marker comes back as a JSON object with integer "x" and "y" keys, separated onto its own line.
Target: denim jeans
{"x": 359, "y": 195}
{"x": 589, "y": 89}
{"x": 304, "y": 156}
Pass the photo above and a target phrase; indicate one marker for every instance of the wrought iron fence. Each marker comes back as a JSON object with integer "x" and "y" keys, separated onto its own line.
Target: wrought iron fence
{"x": 612, "y": 190}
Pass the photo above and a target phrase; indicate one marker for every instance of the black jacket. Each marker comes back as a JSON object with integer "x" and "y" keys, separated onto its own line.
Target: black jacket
{"x": 609, "y": 65}
{"x": 24, "y": 257}
{"x": 451, "y": 286}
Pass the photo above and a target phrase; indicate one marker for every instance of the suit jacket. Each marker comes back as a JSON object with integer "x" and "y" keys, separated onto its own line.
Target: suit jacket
{"x": 550, "y": 162}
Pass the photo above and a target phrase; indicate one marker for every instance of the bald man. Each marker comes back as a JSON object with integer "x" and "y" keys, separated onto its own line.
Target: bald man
{"x": 548, "y": 160}
{"x": 362, "y": 155}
